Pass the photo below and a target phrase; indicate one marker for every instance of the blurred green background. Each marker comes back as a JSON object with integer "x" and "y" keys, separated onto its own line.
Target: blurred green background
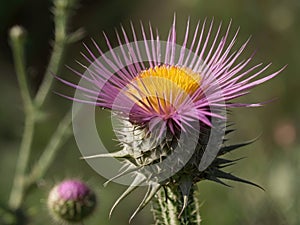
{"x": 273, "y": 161}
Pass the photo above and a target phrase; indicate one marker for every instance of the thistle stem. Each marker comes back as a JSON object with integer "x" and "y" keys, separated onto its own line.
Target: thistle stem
{"x": 18, "y": 188}
{"x": 49, "y": 153}
{"x": 20, "y": 184}
{"x": 17, "y": 38}
{"x": 61, "y": 14}
{"x": 167, "y": 205}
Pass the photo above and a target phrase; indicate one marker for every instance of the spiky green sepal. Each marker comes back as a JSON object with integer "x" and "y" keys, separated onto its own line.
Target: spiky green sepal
{"x": 142, "y": 150}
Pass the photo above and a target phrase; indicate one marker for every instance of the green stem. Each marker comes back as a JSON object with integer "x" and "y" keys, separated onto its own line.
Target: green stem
{"x": 48, "y": 155}
{"x": 167, "y": 206}
{"x": 17, "y": 37}
{"x": 17, "y": 40}
{"x": 61, "y": 15}
{"x": 18, "y": 188}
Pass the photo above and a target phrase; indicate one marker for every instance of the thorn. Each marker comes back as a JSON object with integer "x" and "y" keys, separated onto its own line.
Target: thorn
{"x": 139, "y": 179}
{"x": 185, "y": 187}
{"x": 118, "y": 154}
{"x": 152, "y": 189}
{"x": 124, "y": 171}
{"x": 185, "y": 202}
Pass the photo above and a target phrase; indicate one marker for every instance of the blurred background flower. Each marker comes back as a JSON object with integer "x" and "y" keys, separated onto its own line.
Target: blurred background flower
{"x": 274, "y": 160}
{"x": 71, "y": 201}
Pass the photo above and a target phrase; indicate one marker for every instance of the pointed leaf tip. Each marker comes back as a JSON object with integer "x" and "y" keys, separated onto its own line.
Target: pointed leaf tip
{"x": 229, "y": 148}
{"x": 139, "y": 179}
{"x": 185, "y": 202}
{"x": 118, "y": 154}
{"x": 228, "y": 176}
{"x": 151, "y": 191}
{"x": 185, "y": 187}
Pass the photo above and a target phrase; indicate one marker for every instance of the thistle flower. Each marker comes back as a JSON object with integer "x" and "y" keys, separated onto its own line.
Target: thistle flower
{"x": 172, "y": 101}
{"x": 71, "y": 201}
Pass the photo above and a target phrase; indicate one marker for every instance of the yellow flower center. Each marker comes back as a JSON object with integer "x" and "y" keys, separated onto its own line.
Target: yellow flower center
{"x": 162, "y": 88}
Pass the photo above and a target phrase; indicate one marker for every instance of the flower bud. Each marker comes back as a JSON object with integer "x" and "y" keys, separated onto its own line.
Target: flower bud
{"x": 71, "y": 201}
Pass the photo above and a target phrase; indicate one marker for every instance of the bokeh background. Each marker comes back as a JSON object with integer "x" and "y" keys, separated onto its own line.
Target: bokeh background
{"x": 273, "y": 161}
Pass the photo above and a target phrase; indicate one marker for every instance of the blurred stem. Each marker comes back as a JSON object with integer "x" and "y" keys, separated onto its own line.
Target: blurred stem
{"x": 51, "y": 149}
{"x": 17, "y": 37}
{"x": 18, "y": 188}
{"x": 167, "y": 206}
{"x": 62, "y": 9}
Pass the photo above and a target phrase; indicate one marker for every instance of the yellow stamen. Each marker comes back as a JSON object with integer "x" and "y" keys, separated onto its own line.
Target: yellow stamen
{"x": 161, "y": 87}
